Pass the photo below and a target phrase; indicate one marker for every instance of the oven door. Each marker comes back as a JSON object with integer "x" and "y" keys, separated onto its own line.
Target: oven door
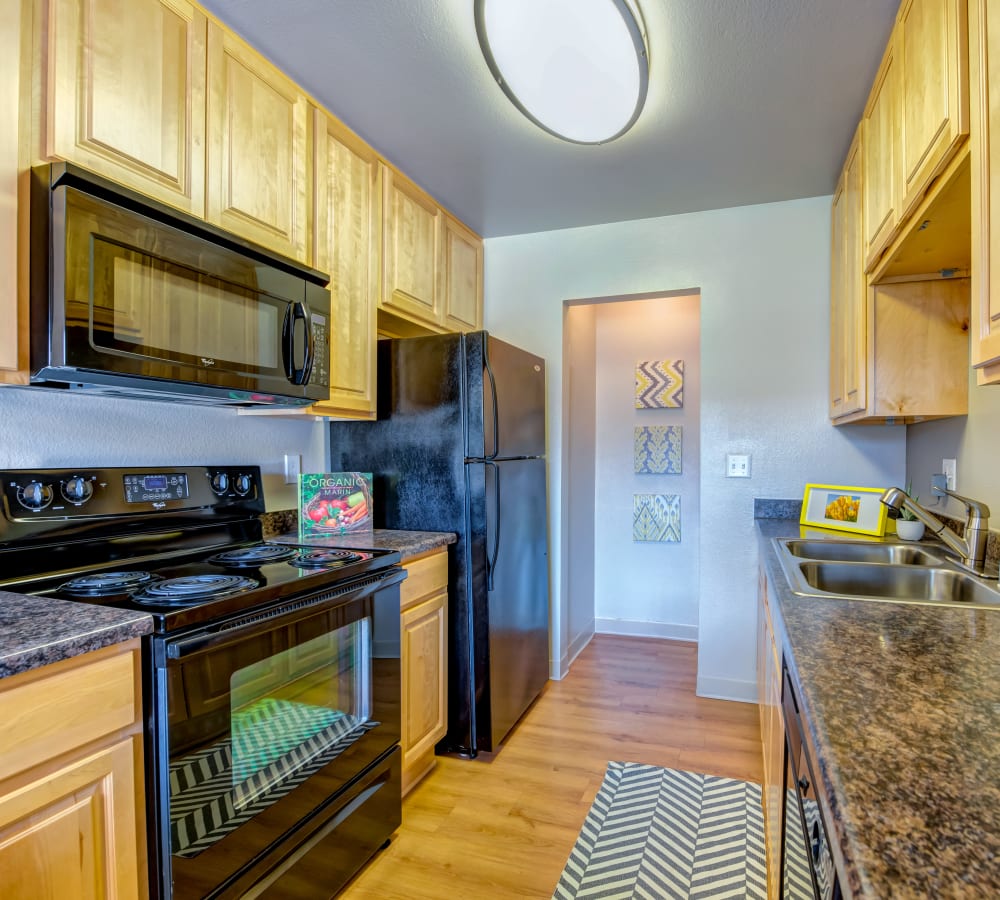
{"x": 261, "y": 724}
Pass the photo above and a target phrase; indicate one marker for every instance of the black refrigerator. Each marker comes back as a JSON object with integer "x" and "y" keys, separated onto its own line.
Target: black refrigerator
{"x": 459, "y": 445}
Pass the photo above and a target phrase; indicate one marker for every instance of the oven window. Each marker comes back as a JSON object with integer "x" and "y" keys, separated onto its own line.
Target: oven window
{"x": 263, "y": 715}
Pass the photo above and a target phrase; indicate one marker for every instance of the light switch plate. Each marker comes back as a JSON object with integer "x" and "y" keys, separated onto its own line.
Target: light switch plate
{"x": 293, "y": 466}
{"x": 950, "y": 469}
{"x": 737, "y": 465}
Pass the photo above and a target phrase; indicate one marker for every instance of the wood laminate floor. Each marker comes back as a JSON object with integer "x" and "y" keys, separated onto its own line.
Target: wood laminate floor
{"x": 502, "y": 827}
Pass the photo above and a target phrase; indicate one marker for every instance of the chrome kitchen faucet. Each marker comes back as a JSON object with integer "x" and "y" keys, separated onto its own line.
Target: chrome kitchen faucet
{"x": 971, "y": 547}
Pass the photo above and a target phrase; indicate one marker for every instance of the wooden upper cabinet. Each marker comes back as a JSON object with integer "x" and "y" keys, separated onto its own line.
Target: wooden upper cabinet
{"x": 984, "y": 75}
{"x": 126, "y": 94}
{"x": 462, "y": 277}
{"x": 258, "y": 148}
{"x": 848, "y": 291}
{"x": 347, "y": 236}
{"x": 880, "y": 155}
{"x": 933, "y": 58}
{"x": 13, "y": 311}
{"x": 411, "y": 233}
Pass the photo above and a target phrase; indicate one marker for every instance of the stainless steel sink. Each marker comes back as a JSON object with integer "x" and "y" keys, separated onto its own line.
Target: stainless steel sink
{"x": 893, "y": 573}
{"x": 902, "y": 584}
{"x": 848, "y": 551}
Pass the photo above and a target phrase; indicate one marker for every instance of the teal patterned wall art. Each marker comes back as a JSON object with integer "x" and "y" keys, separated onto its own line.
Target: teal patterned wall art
{"x": 658, "y": 449}
{"x": 656, "y": 518}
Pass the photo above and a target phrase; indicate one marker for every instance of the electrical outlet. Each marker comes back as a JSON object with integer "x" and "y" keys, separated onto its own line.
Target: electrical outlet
{"x": 939, "y": 482}
{"x": 293, "y": 466}
{"x": 737, "y": 465}
{"x": 950, "y": 469}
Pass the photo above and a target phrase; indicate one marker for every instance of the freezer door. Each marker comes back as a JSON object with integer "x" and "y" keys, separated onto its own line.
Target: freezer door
{"x": 517, "y": 589}
{"x": 513, "y": 400}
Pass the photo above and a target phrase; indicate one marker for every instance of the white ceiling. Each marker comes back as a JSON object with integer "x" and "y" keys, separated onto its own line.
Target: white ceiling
{"x": 750, "y": 101}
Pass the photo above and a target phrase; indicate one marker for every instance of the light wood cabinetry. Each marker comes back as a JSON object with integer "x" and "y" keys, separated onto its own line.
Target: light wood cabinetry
{"x": 347, "y": 234}
{"x": 984, "y": 66}
{"x": 461, "y": 277}
{"x": 772, "y": 733}
{"x": 258, "y": 158}
{"x": 932, "y": 46}
{"x": 126, "y": 94}
{"x": 14, "y": 38}
{"x": 848, "y": 331}
{"x": 880, "y": 151}
{"x": 423, "y": 633}
{"x": 432, "y": 265}
{"x": 72, "y": 821}
{"x": 410, "y": 250}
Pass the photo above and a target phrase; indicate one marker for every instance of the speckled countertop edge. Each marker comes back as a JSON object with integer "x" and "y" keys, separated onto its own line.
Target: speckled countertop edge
{"x": 410, "y": 544}
{"x": 902, "y": 704}
{"x": 36, "y": 631}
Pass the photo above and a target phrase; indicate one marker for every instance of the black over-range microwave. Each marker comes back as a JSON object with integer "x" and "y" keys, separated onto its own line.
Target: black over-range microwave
{"x": 131, "y": 297}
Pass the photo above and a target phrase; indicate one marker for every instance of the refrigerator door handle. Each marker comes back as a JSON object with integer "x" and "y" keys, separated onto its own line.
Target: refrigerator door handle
{"x": 491, "y": 557}
{"x": 496, "y": 411}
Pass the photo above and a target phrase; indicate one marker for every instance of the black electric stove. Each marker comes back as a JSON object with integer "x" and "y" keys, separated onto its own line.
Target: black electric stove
{"x": 181, "y": 543}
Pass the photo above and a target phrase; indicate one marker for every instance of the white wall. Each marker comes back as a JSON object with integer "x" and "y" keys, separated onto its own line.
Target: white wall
{"x": 763, "y": 273}
{"x": 576, "y": 628}
{"x": 972, "y": 440}
{"x": 648, "y": 589}
{"x": 42, "y": 428}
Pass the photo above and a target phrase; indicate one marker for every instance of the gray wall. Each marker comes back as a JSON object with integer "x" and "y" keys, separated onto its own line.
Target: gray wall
{"x": 763, "y": 273}
{"x": 42, "y": 428}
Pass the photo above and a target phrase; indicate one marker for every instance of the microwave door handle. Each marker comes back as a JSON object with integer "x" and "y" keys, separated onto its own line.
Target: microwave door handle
{"x": 294, "y": 313}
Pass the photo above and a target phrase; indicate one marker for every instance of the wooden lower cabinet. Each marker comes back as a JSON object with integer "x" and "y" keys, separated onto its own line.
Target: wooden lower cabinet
{"x": 772, "y": 733}
{"x": 72, "y": 807}
{"x": 423, "y": 633}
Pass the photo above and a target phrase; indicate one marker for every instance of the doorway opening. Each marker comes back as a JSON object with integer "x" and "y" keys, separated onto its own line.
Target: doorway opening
{"x": 631, "y": 466}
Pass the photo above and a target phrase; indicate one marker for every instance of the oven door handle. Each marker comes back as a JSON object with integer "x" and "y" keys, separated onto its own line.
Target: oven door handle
{"x": 280, "y": 616}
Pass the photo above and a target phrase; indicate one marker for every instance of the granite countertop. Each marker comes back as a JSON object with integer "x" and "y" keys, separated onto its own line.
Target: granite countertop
{"x": 36, "y": 631}
{"x": 903, "y": 708}
{"x": 409, "y": 543}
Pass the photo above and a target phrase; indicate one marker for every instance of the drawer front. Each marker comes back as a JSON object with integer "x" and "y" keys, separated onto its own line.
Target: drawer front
{"x": 425, "y": 576}
{"x": 83, "y": 700}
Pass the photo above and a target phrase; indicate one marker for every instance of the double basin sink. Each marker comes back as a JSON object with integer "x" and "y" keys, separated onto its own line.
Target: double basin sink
{"x": 900, "y": 573}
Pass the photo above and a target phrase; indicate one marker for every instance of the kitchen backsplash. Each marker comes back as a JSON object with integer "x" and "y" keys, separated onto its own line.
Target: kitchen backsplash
{"x": 281, "y": 521}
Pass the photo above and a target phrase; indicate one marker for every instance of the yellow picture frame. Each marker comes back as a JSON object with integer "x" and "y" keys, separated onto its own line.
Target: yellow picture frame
{"x": 843, "y": 508}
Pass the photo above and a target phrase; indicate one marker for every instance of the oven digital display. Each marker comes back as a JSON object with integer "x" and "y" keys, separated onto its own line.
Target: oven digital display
{"x": 155, "y": 486}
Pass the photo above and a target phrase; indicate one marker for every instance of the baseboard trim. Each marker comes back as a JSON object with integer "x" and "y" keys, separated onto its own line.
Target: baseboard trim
{"x": 726, "y": 689}
{"x": 632, "y": 628}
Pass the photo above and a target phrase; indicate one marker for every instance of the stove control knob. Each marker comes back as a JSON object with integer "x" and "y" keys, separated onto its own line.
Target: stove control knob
{"x": 220, "y": 483}
{"x": 78, "y": 490}
{"x": 243, "y": 484}
{"x": 35, "y": 495}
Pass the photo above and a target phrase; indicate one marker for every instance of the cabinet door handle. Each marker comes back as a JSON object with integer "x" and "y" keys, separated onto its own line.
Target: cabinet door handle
{"x": 803, "y": 783}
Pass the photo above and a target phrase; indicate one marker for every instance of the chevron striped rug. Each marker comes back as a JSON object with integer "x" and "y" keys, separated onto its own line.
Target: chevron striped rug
{"x": 662, "y": 833}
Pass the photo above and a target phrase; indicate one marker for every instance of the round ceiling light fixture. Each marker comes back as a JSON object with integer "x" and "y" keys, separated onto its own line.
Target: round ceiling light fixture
{"x": 577, "y": 68}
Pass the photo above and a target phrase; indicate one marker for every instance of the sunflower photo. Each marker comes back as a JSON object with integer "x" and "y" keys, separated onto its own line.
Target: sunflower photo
{"x": 842, "y": 507}
{"x": 856, "y": 509}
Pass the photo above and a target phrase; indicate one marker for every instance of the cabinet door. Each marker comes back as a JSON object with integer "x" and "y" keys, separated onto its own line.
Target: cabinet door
{"x": 984, "y": 74}
{"x": 13, "y": 336}
{"x": 462, "y": 277}
{"x": 932, "y": 47}
{"x": 258, "y": 150}
{"x": 72, "y": 832}
{"x": 848, "y": 290}
{"x": 126, "y": 94}
{"x": 880, "y": 153}
{"x": 410, "y": 229}
{"x": 424, "y": 681}
{"x": 347, "y": 246}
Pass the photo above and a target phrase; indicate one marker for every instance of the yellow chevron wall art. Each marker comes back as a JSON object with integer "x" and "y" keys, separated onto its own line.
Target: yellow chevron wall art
{"x": 659, "y": 384}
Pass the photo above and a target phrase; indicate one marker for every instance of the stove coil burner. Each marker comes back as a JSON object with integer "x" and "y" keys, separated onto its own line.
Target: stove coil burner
{"x": 324, "y": 559}
{"x": 194, "y": 589}
{"x": 252, "y": 557}
{"x": 106, "y": 584}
